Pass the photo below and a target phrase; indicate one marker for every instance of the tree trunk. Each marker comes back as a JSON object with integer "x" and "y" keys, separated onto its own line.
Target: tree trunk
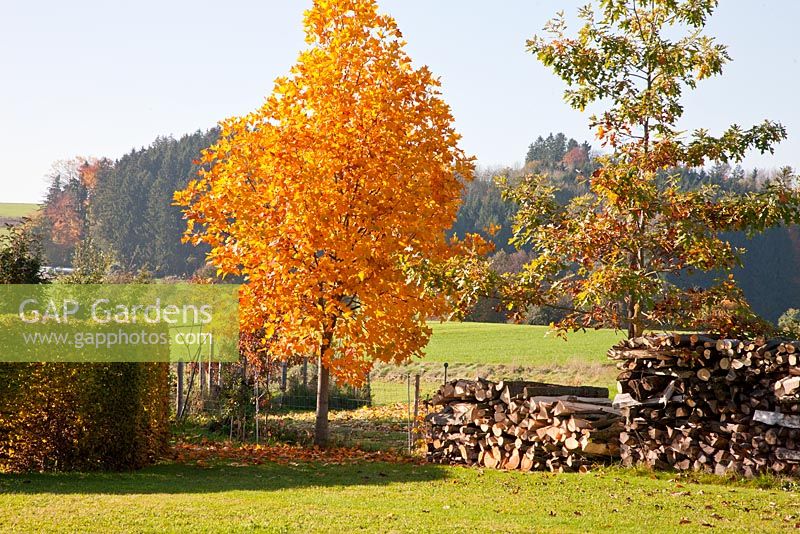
{"x": 634, "y": 319}
{"x": 321, "y": 431}
{"x": 179, "y": 392}
{"x": 634, "y": 330}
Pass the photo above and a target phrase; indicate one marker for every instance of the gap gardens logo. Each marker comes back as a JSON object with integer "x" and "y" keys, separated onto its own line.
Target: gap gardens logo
{"x": 118, "y": 323}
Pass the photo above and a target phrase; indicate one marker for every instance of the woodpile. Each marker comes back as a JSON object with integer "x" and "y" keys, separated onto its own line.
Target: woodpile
{"x": 699, "y": 402}
{"x": 522, "y": 425}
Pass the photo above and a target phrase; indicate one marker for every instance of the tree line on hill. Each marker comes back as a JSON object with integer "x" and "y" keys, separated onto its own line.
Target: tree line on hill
{"x": 768, "y": 275}
{"x": 125, "y": 207}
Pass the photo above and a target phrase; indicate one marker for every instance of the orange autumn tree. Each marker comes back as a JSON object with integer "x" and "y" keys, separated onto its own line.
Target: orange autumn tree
{"x": 330, "y": 196}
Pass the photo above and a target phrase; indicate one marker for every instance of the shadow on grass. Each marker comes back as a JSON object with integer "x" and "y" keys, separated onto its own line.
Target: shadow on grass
{"x": 186, "y": 479}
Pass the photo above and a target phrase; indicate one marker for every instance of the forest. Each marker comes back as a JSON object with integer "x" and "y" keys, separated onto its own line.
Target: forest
{"x": 125, "y": 208}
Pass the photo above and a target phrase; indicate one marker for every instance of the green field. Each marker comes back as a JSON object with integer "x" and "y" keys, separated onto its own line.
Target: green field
{"x": 380, "y": 497}
{"x": 11, "y": 213}
{"x": 17, "y": 210}
{"x": 512, "y": 344}
{"x": 502, "y": 351}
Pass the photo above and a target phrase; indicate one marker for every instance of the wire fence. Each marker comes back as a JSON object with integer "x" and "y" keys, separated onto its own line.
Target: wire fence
{"x": 281, "y": 401}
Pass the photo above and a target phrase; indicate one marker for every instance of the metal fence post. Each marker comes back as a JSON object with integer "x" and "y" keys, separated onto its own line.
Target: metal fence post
{"x": 410, "y": 423}
{"x": 255, "y": 392}
{"x": 416, "y": 407}
{"x": 369, "y": 390}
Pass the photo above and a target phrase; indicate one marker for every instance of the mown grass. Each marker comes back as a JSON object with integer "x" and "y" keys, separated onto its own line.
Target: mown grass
{"x": 330, "y": 496}
{"x": 380, "y": 497}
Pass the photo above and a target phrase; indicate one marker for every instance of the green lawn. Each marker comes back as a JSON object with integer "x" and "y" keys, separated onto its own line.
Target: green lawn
{"x": 17, "y": 210}
{"x": 380, "y": 497}
{"x": 515, "y": 344}
{"x": 332, "y": 496}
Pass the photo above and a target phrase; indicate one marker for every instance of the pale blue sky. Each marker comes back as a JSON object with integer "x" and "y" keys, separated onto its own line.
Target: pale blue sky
{"x": 97, "y": 78}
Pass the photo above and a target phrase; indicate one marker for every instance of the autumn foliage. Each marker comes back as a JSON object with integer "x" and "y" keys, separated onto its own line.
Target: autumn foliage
{"x": 82, "y": 416}
{"x": 328, "y": 196}
{"x": 617, "y": 251}
{"x": 206, "y": 453}
{"x": 66, "y": 203}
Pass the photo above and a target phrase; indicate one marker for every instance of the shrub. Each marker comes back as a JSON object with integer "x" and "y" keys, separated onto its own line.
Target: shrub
{"x": 82, "y": 416}
{"x": 789, "y": 323}
{"x": 20, "y": 257}
{"x": 65, "y": 416}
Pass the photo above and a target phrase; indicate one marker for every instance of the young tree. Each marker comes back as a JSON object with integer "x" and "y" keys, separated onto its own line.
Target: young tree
{"x": 62, "y": 222}
{"x": 20, "y": 257}
{"x": 327, "y": 197}
{"x": 90, "y": 263}
{"x": 617, "y": 250}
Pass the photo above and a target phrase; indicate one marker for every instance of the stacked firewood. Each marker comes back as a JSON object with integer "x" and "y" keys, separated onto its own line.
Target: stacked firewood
{"x": 522, "y": 425}
{"x": 699, "y": 402}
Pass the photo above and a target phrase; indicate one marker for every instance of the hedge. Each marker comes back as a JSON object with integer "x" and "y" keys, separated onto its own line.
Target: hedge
{"x": 82, "y": 416}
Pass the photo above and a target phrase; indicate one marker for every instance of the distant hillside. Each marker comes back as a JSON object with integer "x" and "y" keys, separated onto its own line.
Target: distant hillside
{"x": 130, "y": 212}
{"x": 17, "y": 210}
{"x": 12, "y": 213}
